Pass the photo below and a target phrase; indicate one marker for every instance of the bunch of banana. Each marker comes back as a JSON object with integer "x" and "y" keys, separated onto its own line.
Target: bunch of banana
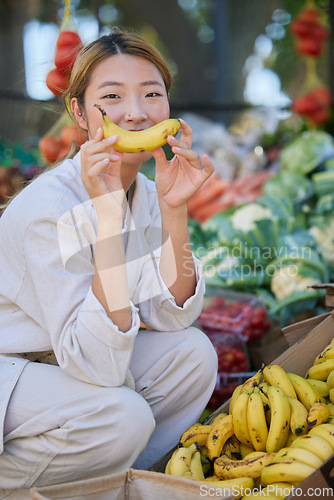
{"x": 277, "y": 430}
{"x": 142, "y": 140}
{"x": 305, "y": 454}
{"x": 179, "y": 463}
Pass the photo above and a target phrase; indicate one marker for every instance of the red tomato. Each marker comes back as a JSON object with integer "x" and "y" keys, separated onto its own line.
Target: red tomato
{"x": 72, "y": 133}
{"x": 310, "y": 14}
{"x": 68, "y": 38}
{"x": 312, "y": 47}
{"x": 322, "y": 95}
{"x": 301, "y": 28}
{"x": 321, "y": 116}
{"x": 49, "y": 147}
{"x": 65, "y": 58}
{"x": 304, "y": 105}
{"x": 63, "y": 152}
{"x": 57, "y": 82}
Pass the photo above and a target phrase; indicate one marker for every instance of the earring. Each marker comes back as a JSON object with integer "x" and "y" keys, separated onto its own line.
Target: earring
{"x": 79, "y": 113}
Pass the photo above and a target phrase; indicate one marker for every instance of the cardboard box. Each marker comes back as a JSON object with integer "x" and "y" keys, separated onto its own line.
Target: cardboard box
{"x": 130, "y": 485}
{"x": 306, "y": 339}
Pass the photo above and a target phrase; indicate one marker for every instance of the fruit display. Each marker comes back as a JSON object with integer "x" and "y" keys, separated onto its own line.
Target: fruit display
{"x": 58, "y": 141}
{"x": 311, "y": 36}
{"x": 232, "y": 321}
{"x": 248, "y": 318}
{"x": 278, "y": 429}
{"x": 309, "y": 32}
{"x": 142, "y": 140}
{"x": 68, "y": 46}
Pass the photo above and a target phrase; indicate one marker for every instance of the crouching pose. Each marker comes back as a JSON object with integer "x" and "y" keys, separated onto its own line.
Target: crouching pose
{"x": 90, "y": 251}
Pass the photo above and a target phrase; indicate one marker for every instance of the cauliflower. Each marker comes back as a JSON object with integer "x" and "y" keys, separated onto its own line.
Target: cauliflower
{"x": 324, "y": 238}
{"x": 245, "y": 217}
{"x": 286, "y": 281}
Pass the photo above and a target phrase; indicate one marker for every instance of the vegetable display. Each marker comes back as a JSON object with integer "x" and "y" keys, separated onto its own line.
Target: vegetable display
{"x": 281, "y": 245}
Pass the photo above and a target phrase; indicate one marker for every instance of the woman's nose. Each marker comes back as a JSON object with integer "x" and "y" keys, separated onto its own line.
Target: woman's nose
{"x": 135, "y": 112}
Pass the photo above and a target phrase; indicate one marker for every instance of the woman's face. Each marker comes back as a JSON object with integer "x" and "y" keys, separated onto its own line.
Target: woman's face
{"x": 131, "y": 91}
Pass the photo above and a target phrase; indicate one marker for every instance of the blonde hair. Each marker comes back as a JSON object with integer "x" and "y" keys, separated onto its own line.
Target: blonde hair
{"x": 117, "y": 42}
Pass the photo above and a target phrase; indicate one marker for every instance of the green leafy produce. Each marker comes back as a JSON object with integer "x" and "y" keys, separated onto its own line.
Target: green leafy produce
{"x": 296, "y": 187}
{"x": 307, "y": 151}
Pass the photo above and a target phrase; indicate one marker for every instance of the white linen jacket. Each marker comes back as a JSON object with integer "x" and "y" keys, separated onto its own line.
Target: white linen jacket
{"x": 47, "y": 237}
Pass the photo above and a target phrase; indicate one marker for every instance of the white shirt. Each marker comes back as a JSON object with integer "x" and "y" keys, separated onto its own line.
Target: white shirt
{"x": 47, "y": 237}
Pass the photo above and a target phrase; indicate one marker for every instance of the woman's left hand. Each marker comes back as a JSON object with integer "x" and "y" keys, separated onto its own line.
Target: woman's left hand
{"x": 178, "y": 179}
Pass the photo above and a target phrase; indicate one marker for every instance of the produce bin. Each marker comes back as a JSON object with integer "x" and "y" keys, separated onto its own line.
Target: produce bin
{"x": 306, "y": 339}
{"x": 130, "y": 485}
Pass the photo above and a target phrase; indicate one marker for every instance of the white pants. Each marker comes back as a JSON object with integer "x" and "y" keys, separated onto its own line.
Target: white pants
{"x": 59, "y": 429}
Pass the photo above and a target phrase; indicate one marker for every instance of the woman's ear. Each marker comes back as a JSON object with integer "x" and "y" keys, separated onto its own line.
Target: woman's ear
{"x": 78, "y": 113}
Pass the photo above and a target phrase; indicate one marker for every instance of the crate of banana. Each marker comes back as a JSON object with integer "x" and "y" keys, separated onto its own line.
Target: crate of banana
{"x": 277, "y": 430}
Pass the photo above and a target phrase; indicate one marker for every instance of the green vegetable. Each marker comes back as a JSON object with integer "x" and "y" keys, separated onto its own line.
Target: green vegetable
{"x": 307, "y": 151}
{"x": 294, "y": 186}
{"x": 323, "y": 182}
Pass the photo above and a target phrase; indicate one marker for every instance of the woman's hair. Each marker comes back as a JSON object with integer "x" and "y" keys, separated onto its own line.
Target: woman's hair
{"x": 117, "y": 42}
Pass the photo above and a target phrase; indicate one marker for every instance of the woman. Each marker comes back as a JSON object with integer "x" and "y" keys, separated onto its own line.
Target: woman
{"x": 89, "y": 249}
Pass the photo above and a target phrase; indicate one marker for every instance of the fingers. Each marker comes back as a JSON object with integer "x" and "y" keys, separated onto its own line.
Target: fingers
{"x": 207, "y": 165}
{"x": 98, "y": 143}
{"x": 186, "y": 132}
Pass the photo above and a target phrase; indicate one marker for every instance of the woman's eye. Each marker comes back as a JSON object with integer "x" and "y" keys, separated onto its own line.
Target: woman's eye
{"x": 111, "y": 96}
{"x": 153, "y": 94}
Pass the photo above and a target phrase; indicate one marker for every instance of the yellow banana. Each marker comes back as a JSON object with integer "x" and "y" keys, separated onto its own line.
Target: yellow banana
{"x": 325, "y": 431}
{"x": 239, "y": 418}
{"x": 327, "y": 353}
{"x": 265, "y": 400}
{"x": 280, "y": 490}
{"x": 180, "y": 460}
{"x": 228, "y": 469}
{"x": 298, "y": 422}
{"x": 245, "y": 450}
{"x": 253, "y": 381}
{"x": 238, "y": 486}
{"x": 167, "y": 468}
{"x": 290, "y": 472}
{"x": 330, "y": 381}
{"x": 142, "y": 140}
{"x": 320, "y": 371}
{"x": 280, "y": 419}
{"x": 291, "y": 438}
{"x": 318, "y": 414}
{"x": 218, "y": 436}
{"x": 196, "y": 433}
{"x": 217, "y": 418}
{"x": 196, "y": 467}
{"x": 256, "y": 421}
{"x": 330, "y": 407}
{"x": 275, "y": 375}
{"x": 298, "y": 454}
{"x": 264, "y": 387}
{"x": 315, "y": 444}
{"x": 256, "y": 494}
{"x": 331, "y": 395}
{"x": 234, "y": 445}
{"x": 320, "y": 386}
{"x": 306, "y": 393}
{"x": 227, "y": 449}
{"x": 234, "y": 396}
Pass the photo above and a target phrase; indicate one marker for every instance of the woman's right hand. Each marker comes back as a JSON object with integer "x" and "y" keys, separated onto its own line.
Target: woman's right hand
{"x": 101, "y": 173}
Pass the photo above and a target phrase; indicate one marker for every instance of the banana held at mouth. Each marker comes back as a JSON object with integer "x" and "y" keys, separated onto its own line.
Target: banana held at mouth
{"x": 130, "y": 141}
